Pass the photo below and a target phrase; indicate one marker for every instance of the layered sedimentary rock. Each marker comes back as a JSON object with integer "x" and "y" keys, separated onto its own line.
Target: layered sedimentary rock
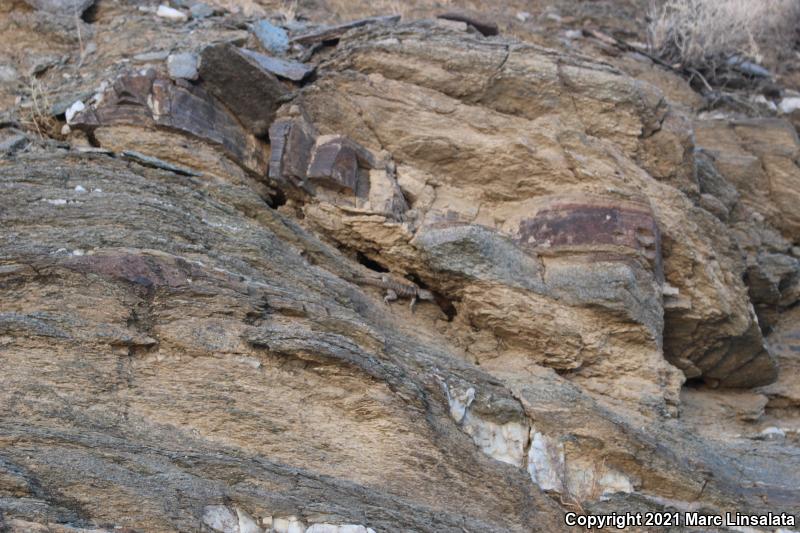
{"x": 187, "y": 343}
{"x": 758, "y": 157}
{"x": 239, "y": 80}
{"x": 149, "y": 100}
{"x": 460, "y": 168}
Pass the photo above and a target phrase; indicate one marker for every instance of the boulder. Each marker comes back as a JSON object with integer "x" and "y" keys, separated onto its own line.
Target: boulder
{"x": 250, "y": 91}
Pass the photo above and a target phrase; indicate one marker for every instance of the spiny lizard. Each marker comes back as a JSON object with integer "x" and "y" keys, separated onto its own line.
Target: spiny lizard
{"x": 396, "y": 288}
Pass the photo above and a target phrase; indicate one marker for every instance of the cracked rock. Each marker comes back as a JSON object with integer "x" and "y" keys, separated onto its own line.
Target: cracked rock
{"x": 238, "y": 80}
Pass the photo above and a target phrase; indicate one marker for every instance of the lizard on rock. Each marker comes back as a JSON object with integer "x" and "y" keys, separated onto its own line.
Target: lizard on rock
{"x": 397, "y": 288}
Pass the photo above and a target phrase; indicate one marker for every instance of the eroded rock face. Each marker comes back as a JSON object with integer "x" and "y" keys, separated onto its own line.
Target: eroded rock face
{"x": 169, "y": 336}
{"x": 147, "y": 99}
{"x": 758, "y": 157}
{"x": 585, "y": 200}
{"x": 178, "y": 325}
{"x": 239, "y": 80}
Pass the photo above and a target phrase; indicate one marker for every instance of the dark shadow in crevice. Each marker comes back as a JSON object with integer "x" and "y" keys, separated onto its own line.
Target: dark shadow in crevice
{"x": 90, "y": 15}
{"x": 370, "y": 263}
{"x": 276, "y": 199}
{"x": 444, "y": 303}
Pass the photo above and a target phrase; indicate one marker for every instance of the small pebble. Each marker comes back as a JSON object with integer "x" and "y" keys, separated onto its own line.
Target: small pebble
{"x": 73, "y": 110}
{"x": 171, "y": 13}
{"x": 789, "y": 105}
{"x": 272, "y": 38}
{"x": 146, "y": 57}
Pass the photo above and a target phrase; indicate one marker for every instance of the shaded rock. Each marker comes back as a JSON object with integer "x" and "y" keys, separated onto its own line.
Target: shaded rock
{"x": 714, "y": 205}
{"x": 741, "y": 362}
{"x": 250, "y": 91}
{"x": 8, "y": 74}
{"x": 146, "y": 100}
{"x": 182, "y": 66}
{"x": 334, "y": 165}
{"x": 291, "y": 145}
{"x": 757, "y": 157}
{"x": 272, "y": 38}
{"x": 283, "y": 68}
{"x": 486, "y": 29}
{"x": 773, "y": 280}
{"x": 201, "y": 10}
{"x": 61, "y": 7}
{"x": 63, "y": 104}
{"x": 12, "y": 140}
{"x": 333, "y": 33}
{"x": 713, "y": 183}
{"x": 784, "y": 343}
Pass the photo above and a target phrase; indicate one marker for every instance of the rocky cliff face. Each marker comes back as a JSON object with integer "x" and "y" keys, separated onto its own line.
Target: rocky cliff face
{"x": 212, "y": 229}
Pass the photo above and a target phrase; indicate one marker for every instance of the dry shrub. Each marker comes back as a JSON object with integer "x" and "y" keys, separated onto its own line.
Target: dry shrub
{"x": 35, "y": 114}
{"x": 703, "y": 34}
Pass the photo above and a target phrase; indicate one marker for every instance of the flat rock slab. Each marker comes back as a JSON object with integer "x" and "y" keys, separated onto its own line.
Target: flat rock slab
{"x": 249, "y": 90}
{"x": 332, "y": 33}
{"x": 283, "y": 68}
{"x": 291, "y": 143}
{"x": 335, "y": 166}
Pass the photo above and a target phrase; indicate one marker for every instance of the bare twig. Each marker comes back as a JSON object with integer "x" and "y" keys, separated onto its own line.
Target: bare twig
{"x": 78, "y": 29}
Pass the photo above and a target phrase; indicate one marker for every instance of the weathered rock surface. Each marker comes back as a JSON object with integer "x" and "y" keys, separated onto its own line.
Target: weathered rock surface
{"x": 758, "y": 157}
{"x": 239, "y": 81}
{"x": 150, "y": 100}
{"x": 459, "y": 149}
{"x": 186, "y": 345}
{"x": 61, "y": 7}
{"x": 184, "y": 337}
